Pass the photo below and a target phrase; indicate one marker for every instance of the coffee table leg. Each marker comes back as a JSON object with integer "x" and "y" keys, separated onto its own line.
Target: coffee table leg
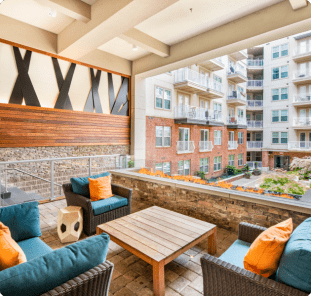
{"x": 212, "y": 239}
{"x": 158, "y": 279}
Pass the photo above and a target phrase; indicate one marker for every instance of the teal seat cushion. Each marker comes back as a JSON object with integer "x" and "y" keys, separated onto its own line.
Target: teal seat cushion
{"x": 81, "y": 185}
{"x": 34, "y": 247}
{"x": 46, "y": 272}
{"x": 236, "y": 253}
{"x": 109, "y": 204}
{"x": 295, "y": 264}
{"x": 23, "y": 220}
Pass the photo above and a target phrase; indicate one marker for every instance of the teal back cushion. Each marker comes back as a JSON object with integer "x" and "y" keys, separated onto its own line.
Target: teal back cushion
{"x": 295, "y": 265}
{"x": 23, "y": 220}
{"x": 46, "y": 272}
{"x": 81, "y": 185}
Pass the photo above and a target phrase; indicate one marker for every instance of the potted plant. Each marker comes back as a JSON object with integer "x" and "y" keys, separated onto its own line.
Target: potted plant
{"x": 201, "y": 174}
{"x": 246, "y": 168}
{"x": 247, "y": 175}
{"x": 256, "y": 171}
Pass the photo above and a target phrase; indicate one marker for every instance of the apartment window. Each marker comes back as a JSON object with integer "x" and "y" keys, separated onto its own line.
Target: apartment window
{"x": 279, "y": 115}
{"x": 217, "y": 137}
{"x": 184, "y": 167}
{"x": 278, "y": 51}
{"x": 240, "y": 159}
{"x": 217, "y": 163}
{"x": 164, "y": 167}
{"x": 276, "y": 72}
{"x": 217, "y": 107}
{"x": 204, "y": 165}
{"x": 163, "y": 136}
{"x": 231, "y": 159}
{"x": 240, "y": 135}
{"x": 217, "y": 78}
{"x": 276, "y": 94}
{"x": 204, "y": 135}
{"x": 163, "y": 98}
{"x": 279, "y": 138}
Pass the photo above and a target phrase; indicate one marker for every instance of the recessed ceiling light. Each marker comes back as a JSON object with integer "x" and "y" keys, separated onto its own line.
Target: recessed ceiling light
{"x": 135, "y": 47}
{"x": 52, "y": 13}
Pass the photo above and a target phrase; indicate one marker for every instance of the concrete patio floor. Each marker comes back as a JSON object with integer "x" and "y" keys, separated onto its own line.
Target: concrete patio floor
{"x": 132, "y": 276}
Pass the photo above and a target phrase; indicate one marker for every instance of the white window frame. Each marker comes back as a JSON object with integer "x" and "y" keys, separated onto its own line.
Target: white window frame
{"x": 205, "y": 131}
{"x": 280, "y": 73}
{"x": 162, "y": 166}
{"x": 280, "y": 50}
{"x": 231, "y": 159}
{"x": 204, "y": 164}
{"x": 280, "y": 136}
{"x": 182, "y": 168}
{"x": 163, "y": 98}
{"x": 240, "y": 138}
{"x": 163, "y": 129}
{"x": 280, "y": 93}
{"x": 240, "y": 159}
{"x": 217, "y": 137}
{"x": 217, "y": 163}
{"x": 279, "y": 115}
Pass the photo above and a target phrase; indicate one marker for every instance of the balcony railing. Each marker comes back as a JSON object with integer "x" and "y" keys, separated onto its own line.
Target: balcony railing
{"x": 251, "y": 164}
{"x": 303, "y": 145}
{"x": 235, "y": 94}
{"x": 254, "y": 144}
{"x": 302, "y": 121}
{"x": 255, "y": 83}
{"x": 215, "y": 85}
{"x": 236, "y": 120}
{"x": 185, "y": 147}
{"x": 232, "y": 145}
{"x": 205, "y": 146}
{"x": 301, "y": 74}
{"x": 300, "y": 98}
{"x": 302, "y": 50}
{"x": 255, "y": 63}
{"x": 186, "y": 111}
{"x": 237, "y": 69}
{"x": 188, "y": 75}
{"x": 254, "y": 103}
{"x": 219, "y": 60}
{"x": 254, "y": 123}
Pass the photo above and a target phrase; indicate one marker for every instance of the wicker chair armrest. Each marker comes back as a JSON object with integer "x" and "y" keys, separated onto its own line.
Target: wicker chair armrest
{"x": 122, "y": 191}
{"x": 222, "y": 278}
{"x": 249, "y": 232}
{"x": 74, "y": 199}
{"x": 96, "y": 281}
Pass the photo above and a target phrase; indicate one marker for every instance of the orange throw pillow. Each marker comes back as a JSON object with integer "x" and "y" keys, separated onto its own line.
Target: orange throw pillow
{"x": 265, "y": 252}
{"x": 11, "y": 253}
{"x": 100, "y": 188}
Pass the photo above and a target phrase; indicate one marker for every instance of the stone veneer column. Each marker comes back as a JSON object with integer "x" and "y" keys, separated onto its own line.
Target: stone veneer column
{"x": 138, "y": 120}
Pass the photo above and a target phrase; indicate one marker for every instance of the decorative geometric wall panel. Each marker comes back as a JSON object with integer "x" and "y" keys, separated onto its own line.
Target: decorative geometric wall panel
{"x": 24, "y": 86}
{"x": 63, "y": 100}
{"x": 44, "y": 81}
{"x": 93, "y": 101}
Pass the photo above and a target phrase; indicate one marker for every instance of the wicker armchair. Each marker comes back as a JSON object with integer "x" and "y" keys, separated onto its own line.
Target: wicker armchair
{"x": 90, "y": 221}
{"x": 94, "y": 282}
{"x": 224, "y": 279}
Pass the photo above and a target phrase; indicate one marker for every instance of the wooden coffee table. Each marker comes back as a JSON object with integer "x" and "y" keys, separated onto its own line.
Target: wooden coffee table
{"x": 158, "y": 236}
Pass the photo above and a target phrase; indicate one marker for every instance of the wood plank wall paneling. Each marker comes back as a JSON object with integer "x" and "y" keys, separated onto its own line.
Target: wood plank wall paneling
{"x": 24, "y": 126}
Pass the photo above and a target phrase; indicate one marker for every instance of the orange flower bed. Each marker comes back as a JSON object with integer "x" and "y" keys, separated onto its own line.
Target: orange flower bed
{"x": 222, "y": 184}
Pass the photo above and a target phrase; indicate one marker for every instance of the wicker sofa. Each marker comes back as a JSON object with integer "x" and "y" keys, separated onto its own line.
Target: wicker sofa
{"x": 90, "y": 220}
{"x": 221, "y": 278}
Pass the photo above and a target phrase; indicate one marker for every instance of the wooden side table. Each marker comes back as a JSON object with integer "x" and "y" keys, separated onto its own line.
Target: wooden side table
{"x": 69, "y": 224}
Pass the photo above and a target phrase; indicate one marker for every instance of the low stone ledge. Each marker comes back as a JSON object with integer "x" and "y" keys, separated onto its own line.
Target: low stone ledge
{"x": 224, "y": 207}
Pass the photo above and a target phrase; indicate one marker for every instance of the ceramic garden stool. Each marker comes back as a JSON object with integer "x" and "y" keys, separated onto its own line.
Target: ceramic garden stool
{"x": 69, "y": 224}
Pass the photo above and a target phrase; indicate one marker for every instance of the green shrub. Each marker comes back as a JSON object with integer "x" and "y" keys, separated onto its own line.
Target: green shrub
{"x": 231, "y": 170}
{"x": 130, "y": 163}
{"x": 201, "y": 174}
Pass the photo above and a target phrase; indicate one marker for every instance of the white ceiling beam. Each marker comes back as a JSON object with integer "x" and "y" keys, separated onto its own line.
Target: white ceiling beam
{"x": 296, "y": 4}
{"x": 276, "y": 21}
{"x": 75, "y": 9}
{"x": 110, "y": 19}
{"x": 147, "y": 42}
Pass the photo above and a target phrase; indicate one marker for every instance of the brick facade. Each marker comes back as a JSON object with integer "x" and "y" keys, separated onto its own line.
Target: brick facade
{"x": 223, "y": 211}
{"x": 169, "y": 154}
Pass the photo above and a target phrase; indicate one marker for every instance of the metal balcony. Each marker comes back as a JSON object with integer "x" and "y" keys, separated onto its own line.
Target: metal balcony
{"x": 302, "y": 77}
{"x": 236, "y": 98}
{"x": 254, "y": 144}
{"x": 254, "y": 124}
{"x": 185, "y": 147}
{"x": 236, "y": 122}
{"x": 301, "y": 100}
{"x": 239, "y": 55}
{"x": 299, "y": 145}
{"x": 214, "y": 90}
{"x": 213, "y": 65}
{"x": 254, "y": 104}
{"x": 302, "y": 123}
{"x": 237, "y": 74}
{"x": 254, "y": 84}
{"x": 302, "y": 54}
{"x": 190, "y": 81}
{"x": 205, "y": 146}
{"x": 232, "y": 145}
